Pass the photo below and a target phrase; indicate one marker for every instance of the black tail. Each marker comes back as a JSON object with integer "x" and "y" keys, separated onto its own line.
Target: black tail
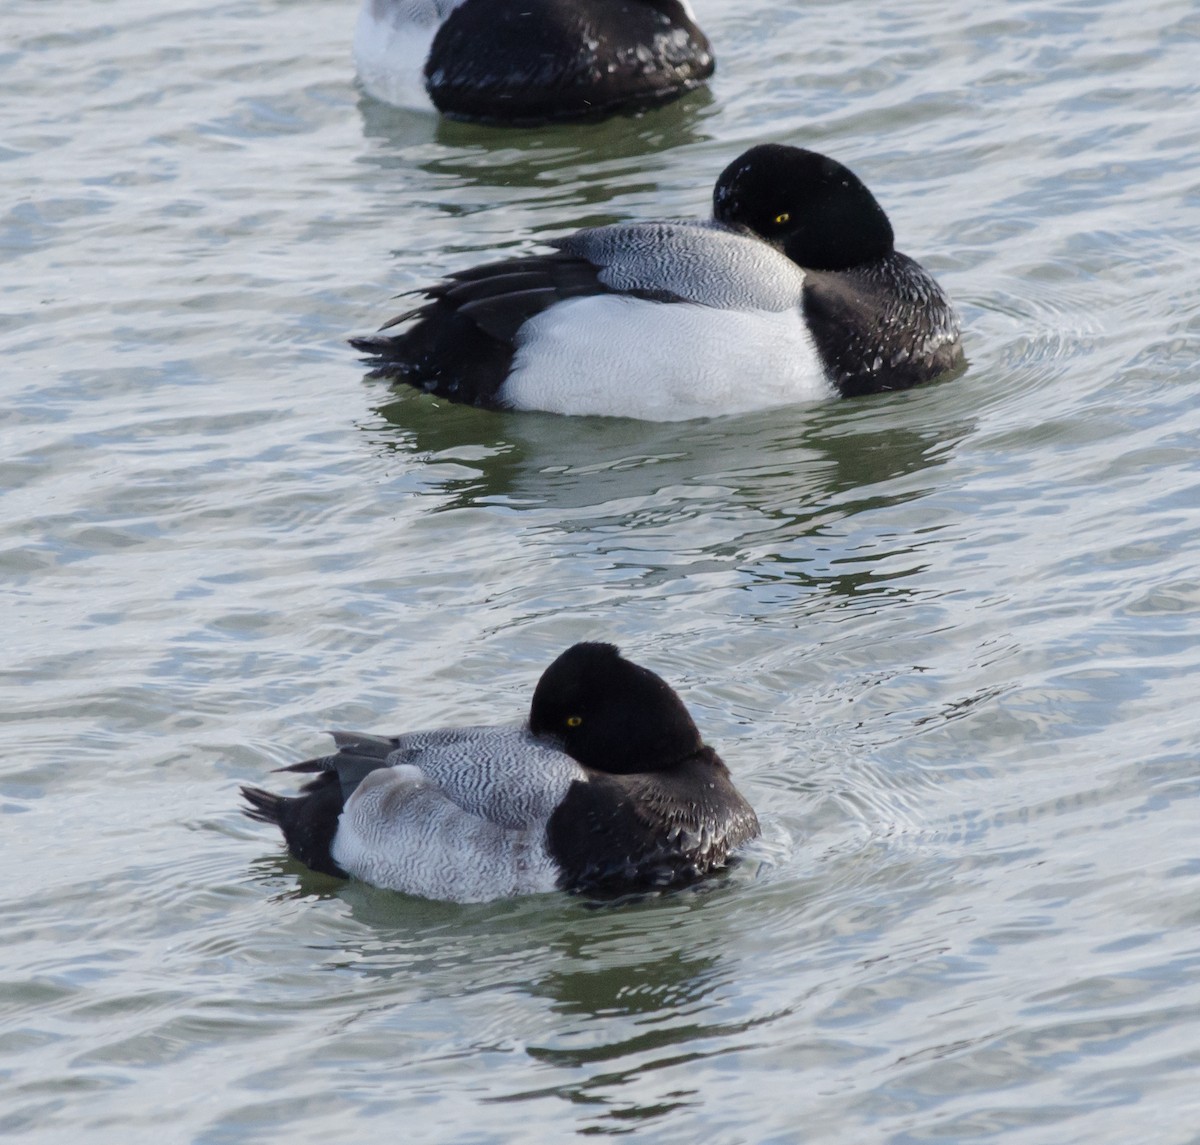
{"x": 308, "y": 822}
{"x": 382, "y": 350}
{"x": 264, "y": 806}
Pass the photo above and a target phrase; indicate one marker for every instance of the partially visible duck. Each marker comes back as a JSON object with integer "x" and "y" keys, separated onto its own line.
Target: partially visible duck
{"x": 793, "y": 291}
{"x": 607, "y": 787}
{"x": 529, "y": 61}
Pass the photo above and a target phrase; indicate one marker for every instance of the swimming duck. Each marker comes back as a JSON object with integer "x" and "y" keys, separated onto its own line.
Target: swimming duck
{"x": 529, "y": 61}
{"x": 606, "y": 788}
{"x": 792, "y": 291}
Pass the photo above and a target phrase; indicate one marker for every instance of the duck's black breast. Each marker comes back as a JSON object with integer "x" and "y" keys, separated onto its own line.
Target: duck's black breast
{"x": 885, "y": 325}
{"x": 613, "y": 834}
{"x": 533, "y": 61}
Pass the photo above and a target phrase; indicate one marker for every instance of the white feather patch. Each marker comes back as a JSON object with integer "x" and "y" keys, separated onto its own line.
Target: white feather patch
{"x": 458, "y": 814}
{"x": 391, "y": 44}
{"x": 399, "y": 831}
{"x": 618, "y": 356}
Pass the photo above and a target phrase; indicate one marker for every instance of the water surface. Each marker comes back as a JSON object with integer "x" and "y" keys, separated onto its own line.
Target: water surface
{"x": 946, "y": 639}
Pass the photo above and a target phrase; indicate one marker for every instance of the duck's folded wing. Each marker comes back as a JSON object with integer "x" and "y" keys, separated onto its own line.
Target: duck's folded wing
{"x": 397, "y": 749}
{"x": 361, "y": 748}
{"x": 496, "y": 299}
{"x": 498, "y": 771}
{"x": 703, "y": 262}
{"x": 502, "y": 773}
{"x": 460, "y": 343}
{"x": 400, "y": 831}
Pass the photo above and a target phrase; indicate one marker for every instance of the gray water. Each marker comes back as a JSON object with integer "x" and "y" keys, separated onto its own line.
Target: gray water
{"x": 946, "y": 639}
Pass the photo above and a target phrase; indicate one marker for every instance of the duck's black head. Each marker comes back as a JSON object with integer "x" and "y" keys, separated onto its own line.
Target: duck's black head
{"x": 819, "y": 213}
{"x": 610, "y": 714}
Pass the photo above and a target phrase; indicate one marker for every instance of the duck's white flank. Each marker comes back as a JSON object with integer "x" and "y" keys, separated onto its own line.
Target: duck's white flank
{"x": 459, "y": 815}
{"x": 618, "y": 356}
{"x": 399, "y": 831}
{"x": 391, "y": 44}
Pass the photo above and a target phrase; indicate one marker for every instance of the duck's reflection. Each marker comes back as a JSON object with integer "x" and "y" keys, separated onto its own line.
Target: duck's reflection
{"x": 779, "y": 494}
{"x": 770, "y": 457}
{"x": 600, "y": 999}
{"x": 520, "y": 153}
{"x": 429, "y": 172}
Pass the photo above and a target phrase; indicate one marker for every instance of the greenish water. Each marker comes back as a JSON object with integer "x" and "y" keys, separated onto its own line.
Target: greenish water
{"x": 946, "y": 640}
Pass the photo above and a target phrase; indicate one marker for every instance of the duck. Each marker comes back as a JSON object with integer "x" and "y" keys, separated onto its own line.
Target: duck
{"x": 792, "y": 291}
{"x": 529, "y": 62}
{"x": 606, "y": 788}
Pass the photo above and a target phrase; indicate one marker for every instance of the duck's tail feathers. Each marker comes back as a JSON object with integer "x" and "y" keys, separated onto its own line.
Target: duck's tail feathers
{"x": 357, "y": 744}
{"x": 364, "y": 743}
{"x": 376, "y": 345}
{"x": 264, "y": 806}
{"x": 358, "y": 753}
{"x": 309, "y": 822}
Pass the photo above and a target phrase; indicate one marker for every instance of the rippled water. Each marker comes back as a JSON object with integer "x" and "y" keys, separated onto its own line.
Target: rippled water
{"x": 946, "y": 639}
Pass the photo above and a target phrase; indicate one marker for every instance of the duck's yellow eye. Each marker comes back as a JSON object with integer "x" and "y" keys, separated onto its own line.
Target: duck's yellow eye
{"x": 782, "y": 218}
{"x": 574, "y": 721}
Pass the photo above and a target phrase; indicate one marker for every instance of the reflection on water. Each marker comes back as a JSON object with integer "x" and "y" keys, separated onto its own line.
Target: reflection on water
{"x": 559, "y": 178}
{"x": 602, "y": 1000}
{"x": 773, "y": 461}
{"x": 484, "y": 156}
{"x": 774, "y": 496}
